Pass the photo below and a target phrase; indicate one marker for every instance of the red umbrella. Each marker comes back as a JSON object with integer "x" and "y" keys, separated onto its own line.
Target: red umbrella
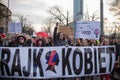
{"x": 2, "y": 35}
{"x": 42, "y": 34}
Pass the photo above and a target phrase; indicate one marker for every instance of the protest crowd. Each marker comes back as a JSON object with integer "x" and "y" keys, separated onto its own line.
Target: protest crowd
{"x": 59, "y": 39}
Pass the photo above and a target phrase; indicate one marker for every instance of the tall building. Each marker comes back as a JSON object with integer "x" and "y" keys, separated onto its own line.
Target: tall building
{"x": 5, "y": 14}
{"x": 78, "y": 9}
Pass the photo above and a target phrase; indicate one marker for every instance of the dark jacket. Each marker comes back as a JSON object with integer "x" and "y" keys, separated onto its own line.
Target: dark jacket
{"x": 1, "y": 43}
{"x": 12, "y": 44}
{"x": 21, "y": 45}
{"x": 57, "y": 41}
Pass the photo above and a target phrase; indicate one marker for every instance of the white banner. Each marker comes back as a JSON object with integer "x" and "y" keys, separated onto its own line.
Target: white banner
{"x": 14, "y": 27}
{"x": 87, "y": 29}
{"x": 55, "y": 62}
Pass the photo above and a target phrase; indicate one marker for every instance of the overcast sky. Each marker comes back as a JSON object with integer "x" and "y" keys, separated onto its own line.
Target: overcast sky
{"x": 37, "y": 9}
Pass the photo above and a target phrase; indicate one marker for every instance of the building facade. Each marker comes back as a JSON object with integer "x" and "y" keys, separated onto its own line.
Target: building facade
{"x": 78, "y": 9}
{"x": 5, "y": 14}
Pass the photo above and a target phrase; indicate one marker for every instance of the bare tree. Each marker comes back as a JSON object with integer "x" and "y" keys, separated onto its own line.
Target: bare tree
{"x": 115, "y": 8}
{"x": 27, "y": 26}
{"x": 48, "y": 25}
{"x": 92, "y": 17}
{"x": 58, "y": 14}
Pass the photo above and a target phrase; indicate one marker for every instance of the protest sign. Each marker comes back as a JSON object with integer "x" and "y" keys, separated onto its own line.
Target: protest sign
{"x": 14, "y": 27}
{"x": 87, "y": 30}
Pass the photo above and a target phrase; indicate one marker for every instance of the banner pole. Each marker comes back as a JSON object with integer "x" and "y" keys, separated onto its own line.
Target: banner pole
{"x": 74, "y": 31}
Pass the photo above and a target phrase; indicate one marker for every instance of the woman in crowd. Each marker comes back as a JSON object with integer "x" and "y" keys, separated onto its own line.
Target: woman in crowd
{"x": 78, "y": 42}
{"x": 40, "y": 43}
{"x": 92, "y": 42}
{"x": 13, "y": 42}
{"x": 59, "y": 38}
{"x": 70, "y": 41}
{"x": 6, "y": 41}
{"x": 105, "y": 42}
{"x": 84, "y": 42}
{"x": 49, "y": 41}
{"x": 21, "y": 41}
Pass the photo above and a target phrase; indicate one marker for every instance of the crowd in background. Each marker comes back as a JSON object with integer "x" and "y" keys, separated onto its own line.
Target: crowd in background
{"x": 36, "y": 41}
{"x": 58, "y": 39}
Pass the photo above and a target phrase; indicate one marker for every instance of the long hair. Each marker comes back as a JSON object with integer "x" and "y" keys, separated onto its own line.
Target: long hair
{"x": 43, "y": 44}
{"x": 59, "y": 35}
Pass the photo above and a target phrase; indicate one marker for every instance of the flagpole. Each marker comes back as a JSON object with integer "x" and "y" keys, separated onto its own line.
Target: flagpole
{"x": 101, "y": 17}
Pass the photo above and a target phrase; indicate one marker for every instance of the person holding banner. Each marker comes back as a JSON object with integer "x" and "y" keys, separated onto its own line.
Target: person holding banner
{"x": 59, "y": 39}
{"x": 85, "y": 42}
{"x": 93, "y": 42}
{"x": 78, "y": 42}
{"x": 21, "y": 41}
{"x": 117, "y": 45}
{"x": 117, "y": 62}
{"x": 6, "y": 42}
{"x": 13, "y": 42}
{"x": 105, "y": 42}
{"x": 70, "y": 40}
{"x": 49, "y": 41}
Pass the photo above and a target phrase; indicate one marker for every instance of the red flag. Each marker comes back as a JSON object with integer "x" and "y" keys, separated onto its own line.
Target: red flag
{"x": 2, "y": 35}
{"x": 42, "y": 34}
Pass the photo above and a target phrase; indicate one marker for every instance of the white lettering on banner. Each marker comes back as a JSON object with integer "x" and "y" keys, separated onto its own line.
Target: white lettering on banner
{"x": 53, "y": 62}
